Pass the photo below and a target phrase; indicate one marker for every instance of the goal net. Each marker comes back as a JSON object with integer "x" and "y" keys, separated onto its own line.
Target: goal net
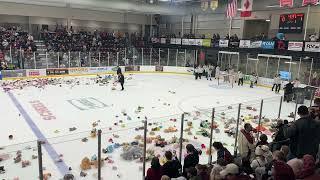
{"x": 226, "y": 80}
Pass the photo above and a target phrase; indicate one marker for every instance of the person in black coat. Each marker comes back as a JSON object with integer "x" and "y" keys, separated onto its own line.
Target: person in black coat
{"x": 121, "y": 80}
{"x": 191, "y": 160}
{"x": 119, "y": 70}
{"x": 172, "y": 167}
{"x": 305, "y": 132}
{"x": 288, "y": 91}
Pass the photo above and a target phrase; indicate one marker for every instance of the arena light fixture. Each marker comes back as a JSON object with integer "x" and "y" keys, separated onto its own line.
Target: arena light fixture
{"x": 288, "y": 62}
{"x": 268, "y": 20}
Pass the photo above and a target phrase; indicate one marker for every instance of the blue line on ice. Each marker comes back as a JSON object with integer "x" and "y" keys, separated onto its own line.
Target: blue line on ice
{"x": 62, "y": 166}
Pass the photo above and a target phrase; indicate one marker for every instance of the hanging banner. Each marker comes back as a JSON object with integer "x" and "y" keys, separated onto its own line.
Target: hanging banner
{"x": 173, "y": 41}
{"x": 178, "y": 41}
{"x": 256, "y": 44}
{"x": 198, "y": 42}
{"x": 312, "y": 47}
{"x": 185, "y": 41}
{"x": 223, "y": 43}
{"x": 206, "y": 42}
{"x": 309, "y": 2}
{"x": 204, "y": 5}
{"x": 244, "y": 44}
{"x": 163, "y": 40}
{"x": 281, "y": 45}
{"x": 246, "y": 8}
{"x": 286, "y": 3}
{"x": 267, "y": 44}
{"x": 214, "y": 4}
{"x": 295, "y": 46}
{"x": 192, "y": 42}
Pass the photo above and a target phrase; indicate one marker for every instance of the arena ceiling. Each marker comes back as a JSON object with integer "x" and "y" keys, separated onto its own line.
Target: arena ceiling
{"x": 165, "y": 7}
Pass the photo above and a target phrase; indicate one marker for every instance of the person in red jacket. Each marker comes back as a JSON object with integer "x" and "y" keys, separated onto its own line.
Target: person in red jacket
{"x": 155, "y": 172}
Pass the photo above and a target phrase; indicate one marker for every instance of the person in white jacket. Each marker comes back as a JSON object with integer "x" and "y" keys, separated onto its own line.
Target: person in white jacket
{"x": 206, "y": 70}
{"x": 246, "y": 144}
{"x": 217, "y": 72}
{"x": 210, "y": 70}
{"x": 276, "y": 83}
{"x": 253, "y": 80}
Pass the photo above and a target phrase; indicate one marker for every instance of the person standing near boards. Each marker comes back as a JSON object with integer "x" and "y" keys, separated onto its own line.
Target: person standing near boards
{"x": 119, "y": 71}
{"x": 121, "y": 80}
{"x": 240, "y": 76}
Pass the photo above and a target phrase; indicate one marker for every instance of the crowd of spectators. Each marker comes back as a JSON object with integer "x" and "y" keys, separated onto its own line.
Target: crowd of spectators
{"x": 63, "y": 40}
{"x": 292, "y": 155}
{"x": 15, "y": 37}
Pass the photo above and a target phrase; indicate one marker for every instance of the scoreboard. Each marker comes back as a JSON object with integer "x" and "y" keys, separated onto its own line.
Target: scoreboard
{"x": 291, "y": 23}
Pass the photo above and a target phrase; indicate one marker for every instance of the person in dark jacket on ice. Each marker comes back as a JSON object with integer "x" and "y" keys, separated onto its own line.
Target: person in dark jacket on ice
{"x": 288, "y": 92}
{"x": 119, "y": 71}
{"x": 121, "y": 80}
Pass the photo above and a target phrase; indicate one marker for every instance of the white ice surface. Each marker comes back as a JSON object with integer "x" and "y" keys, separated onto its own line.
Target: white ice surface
{"x": 148, "y": 91}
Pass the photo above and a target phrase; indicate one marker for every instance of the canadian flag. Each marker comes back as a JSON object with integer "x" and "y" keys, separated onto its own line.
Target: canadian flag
{"x": 246, "y": 8}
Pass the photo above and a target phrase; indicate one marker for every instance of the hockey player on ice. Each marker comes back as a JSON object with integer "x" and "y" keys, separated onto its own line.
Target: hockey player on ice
{"x": 210, "y": 70}
{"x": 217, "y": 72}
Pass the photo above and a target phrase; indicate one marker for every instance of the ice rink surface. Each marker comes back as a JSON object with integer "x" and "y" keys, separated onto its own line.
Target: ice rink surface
{"x": 33, "y": 113}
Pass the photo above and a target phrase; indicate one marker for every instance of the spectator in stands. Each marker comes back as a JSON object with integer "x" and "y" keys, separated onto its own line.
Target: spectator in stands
{"x": 263, "y": 140}
{"x": 246, "y": 142}
{"x": 172, "y": 167}
{"x": 313, "y": 37}
{"x": 315, "y": 109}
{"x": 155, "y": 172}
{"x": 192, "y": 158}
{"x": 296, "y": 165}
{"x": 282, "y": 171}
{"x": 308, "y": 171}
{"x": 231, "y": 172}
{"x": 259, "y": 163}
{"x": 222, "y": 152}
{"x": 202, "y": 172}
{"x": 192, "y": 174}
{"x": 303, "y": 135}
{"x": 285, "y": 149}
{"x": 217, "y": 168}
{"x": 279, "y": 138}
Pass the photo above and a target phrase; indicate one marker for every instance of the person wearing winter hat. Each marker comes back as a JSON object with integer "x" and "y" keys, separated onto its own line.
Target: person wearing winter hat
{"x": 259, "y": 163}
{"x": 308, "y": 170}
{"x": 282, "y": 171}
{"x": 260, "y": 160}
{"x": 217, "y": 168}
{"x": 267, "y": 153}
{"x": 296, "y": 165}
{"x": 230, "y": 170}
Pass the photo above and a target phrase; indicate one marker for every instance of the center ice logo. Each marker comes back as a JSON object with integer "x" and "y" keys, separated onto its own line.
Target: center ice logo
{"x": 87, "y": 103}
